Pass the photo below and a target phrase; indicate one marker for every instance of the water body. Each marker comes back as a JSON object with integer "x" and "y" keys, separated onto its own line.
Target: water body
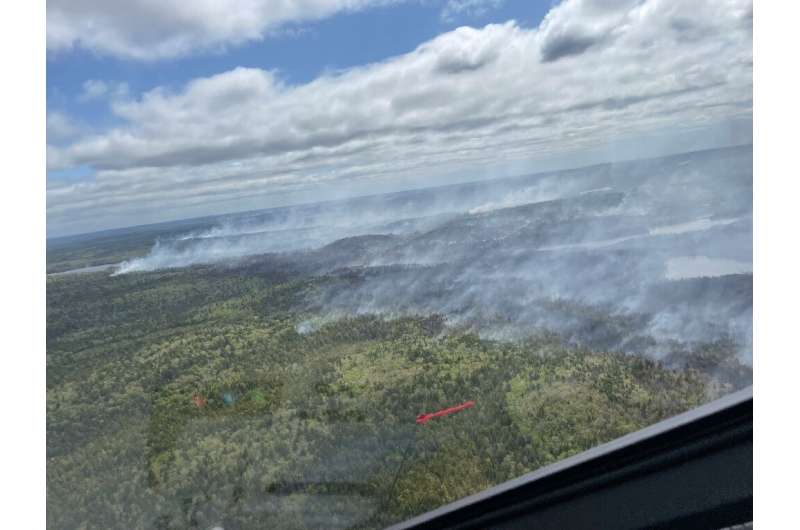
{"x": 696, "y": 225}
{"x": 691, "y": 226}
{"x": 683, "y": 267}
{"x": 94, "y": 268}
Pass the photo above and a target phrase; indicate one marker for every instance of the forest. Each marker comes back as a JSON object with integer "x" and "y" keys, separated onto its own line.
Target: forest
{"x": 215, "y": 396}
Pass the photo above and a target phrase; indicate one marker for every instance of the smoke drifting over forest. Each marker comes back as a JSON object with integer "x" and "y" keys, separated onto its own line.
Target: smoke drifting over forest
{"x": 266, "y": 369}
{"x": 637, "y": 255}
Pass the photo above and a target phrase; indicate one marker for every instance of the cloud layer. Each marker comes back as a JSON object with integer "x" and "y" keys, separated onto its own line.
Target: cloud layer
{"x": 158, "y": 29}
{"x": 593, "y": 71}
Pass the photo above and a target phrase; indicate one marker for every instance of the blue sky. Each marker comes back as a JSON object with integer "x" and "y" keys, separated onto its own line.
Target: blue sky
{"x": 159, "y": 111}
{"x": 300, "y": 53}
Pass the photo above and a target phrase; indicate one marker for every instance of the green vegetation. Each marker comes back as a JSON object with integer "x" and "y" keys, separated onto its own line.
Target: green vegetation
{"x": 100, "y": 251}
{"x": 113, "y": 246}
{"x": 189, "y": 399}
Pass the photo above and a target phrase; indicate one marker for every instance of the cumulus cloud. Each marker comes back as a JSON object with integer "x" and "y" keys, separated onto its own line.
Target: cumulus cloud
{"x": 466, "y": 49}
{"x": 573, "y": 27}
{"x": 467, "y": 98}
{"x": 157, "y": 29}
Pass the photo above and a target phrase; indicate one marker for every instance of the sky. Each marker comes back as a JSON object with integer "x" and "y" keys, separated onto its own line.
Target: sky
{"x": 160, "y": 110}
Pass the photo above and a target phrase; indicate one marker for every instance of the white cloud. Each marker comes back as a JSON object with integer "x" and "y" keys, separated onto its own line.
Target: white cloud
{"x": 468, "y": 98}
{"x": 573, "y": 27}
{"x": 60, "y": 128}
{"x": 455, "y": 9}
{"x": 97, "y": 89}
{"x": 157, "y": 29}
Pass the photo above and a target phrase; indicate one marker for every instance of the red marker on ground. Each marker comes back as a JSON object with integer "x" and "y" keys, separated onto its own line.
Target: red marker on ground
{"x": 199, "y": 401}
{"x": 424, "y": 418}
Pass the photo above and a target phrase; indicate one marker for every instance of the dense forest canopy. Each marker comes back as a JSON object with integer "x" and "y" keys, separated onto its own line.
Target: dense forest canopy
{"x": 314, "y": 429}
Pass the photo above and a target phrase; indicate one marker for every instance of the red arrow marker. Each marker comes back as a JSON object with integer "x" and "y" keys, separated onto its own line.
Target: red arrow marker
{"x": 422, "y": 419}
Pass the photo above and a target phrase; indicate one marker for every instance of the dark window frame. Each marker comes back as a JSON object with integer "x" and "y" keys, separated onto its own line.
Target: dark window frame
{"x": 694, "y": 470}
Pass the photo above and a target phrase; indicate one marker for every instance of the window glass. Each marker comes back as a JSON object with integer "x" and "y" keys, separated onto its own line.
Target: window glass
{"x": 334, "y": 264}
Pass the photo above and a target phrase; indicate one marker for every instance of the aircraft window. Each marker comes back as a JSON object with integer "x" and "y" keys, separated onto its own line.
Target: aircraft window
{"x": 337, "y": 264}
